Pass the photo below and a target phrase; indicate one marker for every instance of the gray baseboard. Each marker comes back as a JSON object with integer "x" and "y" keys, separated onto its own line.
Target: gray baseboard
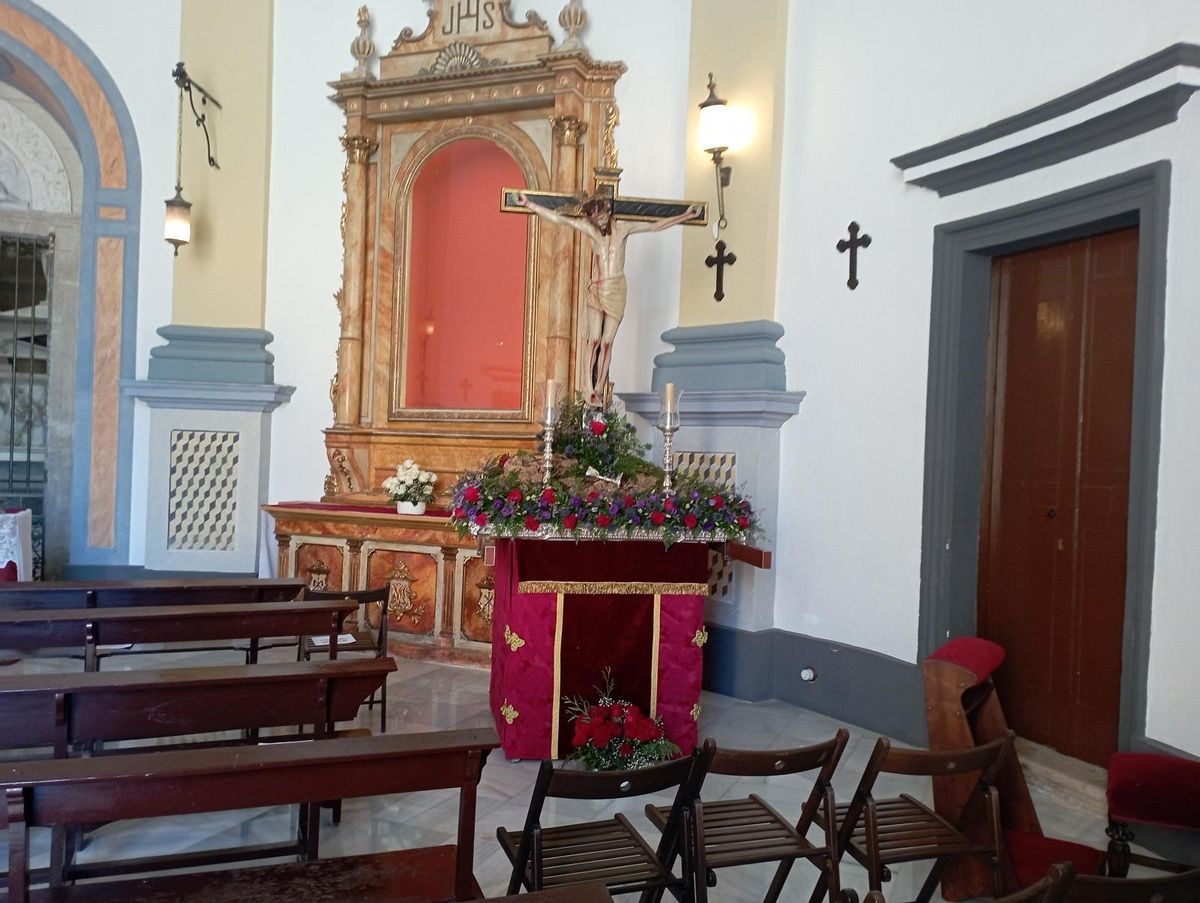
{"x": 854, "y": 685}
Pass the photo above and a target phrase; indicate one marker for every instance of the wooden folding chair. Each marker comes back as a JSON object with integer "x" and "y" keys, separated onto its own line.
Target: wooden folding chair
{"x": 375, "y": 643}
{"x": 881, "y": 833}
{"x": 1182, "y": 888}
{"x": 611, "y": 851}
{"x": 729, "y": 833}
{"x": 1050, "y": 889}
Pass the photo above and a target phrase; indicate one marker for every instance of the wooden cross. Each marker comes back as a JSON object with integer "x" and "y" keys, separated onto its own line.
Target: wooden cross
{"x": 855, "y": 242}
{"x": 645, "y": 210}
{"x": 720, "y": 260}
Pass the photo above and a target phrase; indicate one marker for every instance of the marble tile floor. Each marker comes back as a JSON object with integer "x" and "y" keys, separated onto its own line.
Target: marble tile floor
{"x": 425, "y": 696}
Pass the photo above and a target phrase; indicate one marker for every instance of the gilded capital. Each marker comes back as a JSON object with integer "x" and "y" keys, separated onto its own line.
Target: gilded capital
{"x": 358, "y": 148}
{"x": 568, "y": 130}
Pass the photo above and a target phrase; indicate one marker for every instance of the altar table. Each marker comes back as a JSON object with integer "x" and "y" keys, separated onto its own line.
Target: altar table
{"x": 565, "y": 611}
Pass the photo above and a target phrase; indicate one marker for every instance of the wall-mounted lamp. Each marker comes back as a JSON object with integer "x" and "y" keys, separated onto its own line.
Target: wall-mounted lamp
{"x": 178, "y": 225}
{"x": 717, "y": 128}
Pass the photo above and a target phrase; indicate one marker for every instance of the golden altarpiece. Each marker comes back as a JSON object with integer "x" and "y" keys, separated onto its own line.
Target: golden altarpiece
{"x": 454, "y": 313}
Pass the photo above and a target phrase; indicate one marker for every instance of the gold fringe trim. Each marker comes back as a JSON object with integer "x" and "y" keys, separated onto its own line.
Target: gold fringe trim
{"x": 582, "y": 587}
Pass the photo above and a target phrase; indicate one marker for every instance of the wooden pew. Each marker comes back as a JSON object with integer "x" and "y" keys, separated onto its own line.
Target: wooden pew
{"x": 119, "y": 594}
{"x": 68, "y": 711}
{"x": 73, "y": 791}
{"x": 88, "y": 629}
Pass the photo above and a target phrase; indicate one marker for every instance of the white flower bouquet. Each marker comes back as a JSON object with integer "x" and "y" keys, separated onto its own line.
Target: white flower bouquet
{"x": 410, "y": 484}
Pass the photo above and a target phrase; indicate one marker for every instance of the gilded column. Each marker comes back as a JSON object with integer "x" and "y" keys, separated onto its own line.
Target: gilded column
{"x": 568, "y": 133}
{"x": 351, "y": 299}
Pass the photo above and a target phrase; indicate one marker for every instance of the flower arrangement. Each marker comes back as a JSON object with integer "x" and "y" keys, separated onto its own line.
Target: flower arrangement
{"x": 410, "y": 484}
{"x": 601, "y": 486}
{"x": 614, "y": 735}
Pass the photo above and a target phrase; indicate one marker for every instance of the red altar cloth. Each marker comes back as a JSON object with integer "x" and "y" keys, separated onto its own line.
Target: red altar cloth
{"x": 565, "y": 611}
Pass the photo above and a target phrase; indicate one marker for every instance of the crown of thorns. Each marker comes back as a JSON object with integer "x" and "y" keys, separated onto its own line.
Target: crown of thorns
{"x": 587, "y": 204}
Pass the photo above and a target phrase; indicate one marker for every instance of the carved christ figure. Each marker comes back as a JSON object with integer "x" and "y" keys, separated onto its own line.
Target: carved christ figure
{"x": 607, "y": 291}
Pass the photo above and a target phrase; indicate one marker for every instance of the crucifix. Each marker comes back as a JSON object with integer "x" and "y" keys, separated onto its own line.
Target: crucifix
{"x": 606, "y": 220}
{"x": 852, "y": 245}
{"x": 720, "y": 260}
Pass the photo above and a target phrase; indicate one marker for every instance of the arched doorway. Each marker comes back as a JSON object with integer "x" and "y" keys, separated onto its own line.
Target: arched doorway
{"x": 41, "y": 178}
{"x": 79, "y": 238}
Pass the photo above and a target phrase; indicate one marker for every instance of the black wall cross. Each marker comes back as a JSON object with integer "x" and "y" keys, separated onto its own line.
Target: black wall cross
{"x": 720, "y": 260}
{"x": 855, "y": 242}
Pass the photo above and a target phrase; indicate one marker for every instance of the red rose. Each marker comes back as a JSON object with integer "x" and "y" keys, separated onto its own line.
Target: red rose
{"x": 531, "y": 523}
{"x": 548, "y": 496}
{"x": 460, "y": 512}
{"x": 583, "y": 732}
{"x": 515, "y": 497}
{"x": 718, "y": 502}
{"x": 598, "y": 713}
{"x": 626, "y": 748}
{"x": 657, "y": 518}
{"x": 569, "y": 521}
{"x": 593, "y": 495}
{"x": 603, "y": 520}
{"x": 690, "y": 521}
{"x": 669, "y": 503}
{"x": 598, "y": 427}
{"x": 615, "y": 710}
{"x": 503, "y": 460}
{"x": 603, "y": 732}
{"x": 471, "y": 494}
{"x": 628, "y": 500}
{"x": 743, "y": 522}
{"x": 481, "y": 519}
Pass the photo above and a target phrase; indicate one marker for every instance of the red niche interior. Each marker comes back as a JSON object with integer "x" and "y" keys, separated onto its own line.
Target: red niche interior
{"x": 465, "y": 342}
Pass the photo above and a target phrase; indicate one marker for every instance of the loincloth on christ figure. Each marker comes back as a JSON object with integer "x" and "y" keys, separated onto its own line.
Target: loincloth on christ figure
{"x": 608, "y": 293}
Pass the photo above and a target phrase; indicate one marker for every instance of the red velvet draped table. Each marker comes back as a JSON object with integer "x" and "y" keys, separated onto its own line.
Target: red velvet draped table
{"x": 566, "y": 611}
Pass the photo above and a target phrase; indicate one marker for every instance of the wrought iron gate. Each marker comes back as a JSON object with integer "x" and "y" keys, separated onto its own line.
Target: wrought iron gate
{"x": 26, "y": 267}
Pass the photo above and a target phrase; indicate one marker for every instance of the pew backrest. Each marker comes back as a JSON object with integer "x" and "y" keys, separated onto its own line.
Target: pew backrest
{"x": 68, "y": 710}
{"x": 78, "y": 791}
{"x": 87, "y": 629}
{"x": 121, "y": 594}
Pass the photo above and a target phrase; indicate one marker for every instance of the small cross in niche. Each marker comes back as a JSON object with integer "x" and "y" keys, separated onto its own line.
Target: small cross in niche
{"x": 720, "y": 260}
{"x": 466, "y": 386}
{"x": 852, "y": 245}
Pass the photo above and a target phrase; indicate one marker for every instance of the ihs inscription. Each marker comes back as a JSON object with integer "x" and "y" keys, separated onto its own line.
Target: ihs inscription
{"x": 469, "y": 17}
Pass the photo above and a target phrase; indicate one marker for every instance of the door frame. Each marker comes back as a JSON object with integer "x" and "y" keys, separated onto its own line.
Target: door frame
{"x": 956, "y": 403}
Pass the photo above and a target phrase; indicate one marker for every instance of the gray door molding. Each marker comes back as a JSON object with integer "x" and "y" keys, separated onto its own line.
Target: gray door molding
{"x": 958, "y": 355}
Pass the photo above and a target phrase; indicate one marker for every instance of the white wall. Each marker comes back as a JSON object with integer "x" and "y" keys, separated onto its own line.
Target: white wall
{"x": 137, "y": 41}
{"x": 312, "y": 40}
{"x": 867, "y": 82}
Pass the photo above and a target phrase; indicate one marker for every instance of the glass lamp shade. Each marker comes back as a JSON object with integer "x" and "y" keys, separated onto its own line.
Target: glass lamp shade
{"x": 178, "y": 227}
{"x": 718, "y": 127}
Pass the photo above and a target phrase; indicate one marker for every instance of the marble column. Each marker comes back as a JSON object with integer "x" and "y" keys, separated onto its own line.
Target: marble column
{"x": 568, "y": 133}
{"x": 352, "y": 298}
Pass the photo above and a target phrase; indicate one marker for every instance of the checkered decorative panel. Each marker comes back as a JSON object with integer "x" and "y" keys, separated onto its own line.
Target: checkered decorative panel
{"x": 719, "y": 468}
{"x": 202, "y": 497}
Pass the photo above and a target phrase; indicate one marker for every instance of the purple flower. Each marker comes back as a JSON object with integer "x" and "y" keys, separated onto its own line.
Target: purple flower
{"x": 507, "y": 510}
{"x": 614, "y": 509}
{"x": 708, "y": 526}
{"x": 576, "y": 501}
{"x": 635, "y": 520}
{"x": 498, "y": 504}
{"x": 695, "y": 494}
{"x": 545, "y": 515}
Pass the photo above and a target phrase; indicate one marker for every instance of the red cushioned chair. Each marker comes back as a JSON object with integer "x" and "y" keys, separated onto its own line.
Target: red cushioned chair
{"x": 1149, "y": 789}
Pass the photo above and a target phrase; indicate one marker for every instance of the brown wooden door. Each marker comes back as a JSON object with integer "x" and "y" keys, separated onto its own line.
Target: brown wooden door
{"x": 1056, "y": 487}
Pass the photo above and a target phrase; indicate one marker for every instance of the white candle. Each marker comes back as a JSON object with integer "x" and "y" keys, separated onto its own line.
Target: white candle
{"x": 669, "y": 398}
{"x": 551, "y": 399}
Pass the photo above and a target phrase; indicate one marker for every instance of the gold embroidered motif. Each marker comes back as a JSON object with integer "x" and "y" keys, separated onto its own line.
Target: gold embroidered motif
{"x": 696, "y": 710}
{"x": 700, "y": 638}
{"x": 512, "y": 638}
{"x": 508, "y": 713}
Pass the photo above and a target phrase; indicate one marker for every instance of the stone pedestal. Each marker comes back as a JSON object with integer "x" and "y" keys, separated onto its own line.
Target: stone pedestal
{"x": 732, "y": 405}
{"x": 210, "y": 395}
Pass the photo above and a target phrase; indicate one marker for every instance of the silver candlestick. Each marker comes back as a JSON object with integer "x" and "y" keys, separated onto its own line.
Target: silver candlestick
{"x": 668, "y": 432}
{"x": 547, "y": 450}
